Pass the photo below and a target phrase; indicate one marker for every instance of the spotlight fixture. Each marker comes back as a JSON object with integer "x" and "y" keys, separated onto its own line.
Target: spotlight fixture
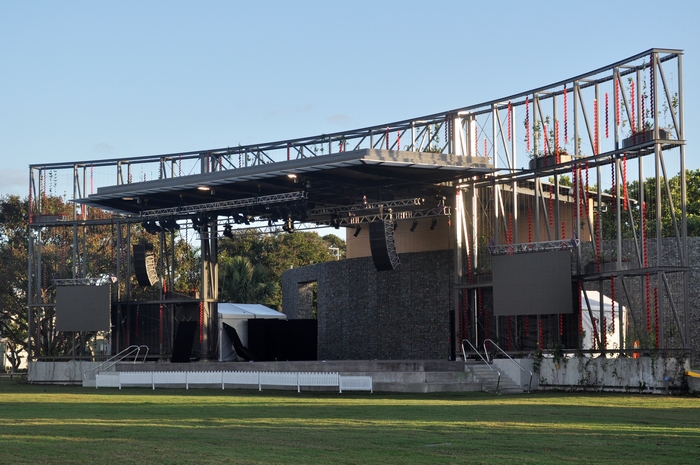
{"x": 433, "y": 223}
{"x": 414, "y": 225}
{"x": 151, "y": 227}
{"x": 357, "y": 231}
{"x": 288, "y": 225}
{"x": 169, "y": 224}
{"x": 227, "y": 231}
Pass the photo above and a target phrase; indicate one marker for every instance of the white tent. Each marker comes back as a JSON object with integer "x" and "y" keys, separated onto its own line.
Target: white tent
{"x": 237, "y": 316}
{"x": 614, "y": 326}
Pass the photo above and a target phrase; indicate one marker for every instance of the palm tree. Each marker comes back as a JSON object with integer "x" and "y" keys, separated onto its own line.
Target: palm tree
{"x": 242, "y": 282}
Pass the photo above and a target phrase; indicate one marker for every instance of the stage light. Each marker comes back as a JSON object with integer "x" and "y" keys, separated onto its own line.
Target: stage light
{"x": 288, "y": 225}
{"x": 357, "y": 231}
{"x": 169, "y": 224}
{"x": 227, "y": 231}
{"x": 151, "y": 227}
{"x": 414, "y": 225}
{"x": 433, "y": 223}
{"x": 335, "y": 221}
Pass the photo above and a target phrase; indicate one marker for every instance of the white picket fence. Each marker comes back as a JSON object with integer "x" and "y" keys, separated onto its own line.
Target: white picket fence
{"x": 231, "y": 378}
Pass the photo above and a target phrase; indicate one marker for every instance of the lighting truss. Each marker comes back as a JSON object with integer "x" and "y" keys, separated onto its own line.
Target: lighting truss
{"x": 80, "y": 281}
{"x": 226, "y": 204}
{"x": 526, "y": 247}
{"x": 366, "y": 206}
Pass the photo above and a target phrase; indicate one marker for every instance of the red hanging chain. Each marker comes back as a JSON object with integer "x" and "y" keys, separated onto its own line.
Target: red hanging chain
{"x": 510, "y": 339}
{"x": 595, "y": 126}
{"x": 624, "y": 180}
{"x": 551, "y": 207}
{"x": 527, "y": 123}
{"x": 651, "y": 83}
{"x": 656, "y": 316}
{"x": 566, "y": 118}
{"x": 634, "y": 126}
{"x": 612, "y": 305}
{"x": 613, "y": 190}
{"x": 598, "y": 241}
{"x": 580, "y": 307}
{"x": 617, "y": 102}
{"x": 557, "y": 152}
{"x": 160, "y": 325}
{"x": 561, "y": 324}
{"x": 607, "y": 117}
{"x": 645, "y": 263}
{"x": 201, "y": 322}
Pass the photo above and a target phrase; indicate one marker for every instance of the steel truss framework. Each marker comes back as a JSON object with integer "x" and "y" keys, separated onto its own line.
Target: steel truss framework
{"x": 594, "y": 128}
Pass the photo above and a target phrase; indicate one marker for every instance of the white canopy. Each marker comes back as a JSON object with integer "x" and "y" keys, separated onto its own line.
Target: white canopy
{"x": 614, "y": 327}
{"x": 237, "y": 316}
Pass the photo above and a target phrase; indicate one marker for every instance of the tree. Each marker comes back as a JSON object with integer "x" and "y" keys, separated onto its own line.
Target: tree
{"x": 667, "y": 227}
{"x": 242, "y": 282}
{"x": 280, "y": 252}
{"x": 13, "y": 279}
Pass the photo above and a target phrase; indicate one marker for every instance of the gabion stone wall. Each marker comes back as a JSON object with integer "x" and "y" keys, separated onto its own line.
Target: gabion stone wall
{"x": 404, "y": 314}
{"x": 364, "y": 314}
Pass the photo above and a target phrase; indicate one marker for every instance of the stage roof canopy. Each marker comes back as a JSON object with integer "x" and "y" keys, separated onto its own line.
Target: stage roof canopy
{"x": 346, "y": 178}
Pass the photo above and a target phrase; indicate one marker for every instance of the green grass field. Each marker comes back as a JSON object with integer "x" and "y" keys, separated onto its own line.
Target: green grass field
{"x": 53, "y": 424}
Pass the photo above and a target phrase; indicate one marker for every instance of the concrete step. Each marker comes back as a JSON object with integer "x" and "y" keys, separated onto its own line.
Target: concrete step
{"x": 489, "y": 379}
{"x": 427, "y": 387}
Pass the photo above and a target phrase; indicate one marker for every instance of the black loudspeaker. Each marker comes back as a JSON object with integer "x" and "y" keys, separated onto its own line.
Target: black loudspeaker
{"x": 381, "y": 243}
{"x": 184, "y": 338}
{"x": 145, "y": 265}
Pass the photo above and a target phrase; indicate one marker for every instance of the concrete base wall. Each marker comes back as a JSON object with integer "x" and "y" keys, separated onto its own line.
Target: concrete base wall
{"x": 60, "y": 372}
{"x": 644, "y": 374}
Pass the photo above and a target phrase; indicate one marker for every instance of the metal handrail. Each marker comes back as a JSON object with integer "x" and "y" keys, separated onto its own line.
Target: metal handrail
{"x": 119, "y": 357}
{"x": 529, "y": 384}
{"x": 464, "y": 353}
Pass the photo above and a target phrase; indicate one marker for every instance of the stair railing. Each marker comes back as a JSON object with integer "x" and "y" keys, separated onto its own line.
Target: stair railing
{"x": 529, "y": 384}
{"x": 134, "y": 350}
{"x": 464, "y": 353}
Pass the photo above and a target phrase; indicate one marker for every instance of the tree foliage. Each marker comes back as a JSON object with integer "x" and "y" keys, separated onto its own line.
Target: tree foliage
{"x": 242, "y": 282}
{"x": 649, "y": 207}
{"x": 276, "y": 253}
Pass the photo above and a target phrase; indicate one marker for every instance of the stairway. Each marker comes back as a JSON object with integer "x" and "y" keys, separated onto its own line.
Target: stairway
{"x": 489, "y": 378}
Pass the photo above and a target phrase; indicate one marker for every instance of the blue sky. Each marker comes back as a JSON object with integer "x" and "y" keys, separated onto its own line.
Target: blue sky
{"x": 83, "y": 80}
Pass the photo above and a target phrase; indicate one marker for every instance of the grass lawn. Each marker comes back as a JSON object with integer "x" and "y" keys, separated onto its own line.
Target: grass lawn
{"x": 56, "y": 424}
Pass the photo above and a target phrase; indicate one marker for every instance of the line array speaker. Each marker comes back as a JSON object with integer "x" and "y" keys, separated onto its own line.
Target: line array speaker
{"x": 145, "y": 265}
{"x": 382, "y": 245}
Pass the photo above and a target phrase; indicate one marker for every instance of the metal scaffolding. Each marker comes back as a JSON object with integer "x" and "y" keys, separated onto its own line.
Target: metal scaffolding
{"x": 555, "y": 155}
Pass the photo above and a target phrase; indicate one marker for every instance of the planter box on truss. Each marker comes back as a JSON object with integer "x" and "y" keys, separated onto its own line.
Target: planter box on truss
{"x": 549, "y": 160}
{"x": 605, "y": 267}
{"x": 644, "y": 137}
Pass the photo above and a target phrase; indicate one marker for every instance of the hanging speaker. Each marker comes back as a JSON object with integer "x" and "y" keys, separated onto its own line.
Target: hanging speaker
{"x": 382, "y": 245}
{"x": 145, "y": 265}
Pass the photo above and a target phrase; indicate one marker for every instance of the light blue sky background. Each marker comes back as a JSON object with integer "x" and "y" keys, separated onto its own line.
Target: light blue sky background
{"x": 82, "y": 80}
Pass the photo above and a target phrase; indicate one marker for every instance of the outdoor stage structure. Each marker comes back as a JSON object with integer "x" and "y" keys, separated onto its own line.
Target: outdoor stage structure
{"x": 534, "y": 196}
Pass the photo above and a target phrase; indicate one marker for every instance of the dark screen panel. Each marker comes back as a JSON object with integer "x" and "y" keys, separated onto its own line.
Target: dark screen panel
{"x": 532, "y": 283}
{"x": 82, "y": 308}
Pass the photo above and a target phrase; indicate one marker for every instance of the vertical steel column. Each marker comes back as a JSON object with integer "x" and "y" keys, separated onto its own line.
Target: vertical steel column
{"x": 684, "y": 221}
{"x": 556, "y": 220}
{"x": 458, "y": 271}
